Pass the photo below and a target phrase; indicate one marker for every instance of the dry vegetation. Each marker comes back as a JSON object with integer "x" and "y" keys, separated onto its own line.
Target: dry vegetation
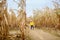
{"x": 48, "y": 18}
{"x": 10, "y": 22}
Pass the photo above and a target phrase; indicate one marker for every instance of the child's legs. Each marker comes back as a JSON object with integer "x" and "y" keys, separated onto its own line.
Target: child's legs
{"x": 32, "y": 27}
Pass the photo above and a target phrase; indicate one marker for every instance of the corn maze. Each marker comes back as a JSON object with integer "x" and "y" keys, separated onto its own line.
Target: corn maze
{"x": 19, "y": 23}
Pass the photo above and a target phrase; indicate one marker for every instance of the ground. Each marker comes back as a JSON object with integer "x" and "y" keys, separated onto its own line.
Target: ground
{"x": 36, "y": 34}
{"x": 39, "y": 34}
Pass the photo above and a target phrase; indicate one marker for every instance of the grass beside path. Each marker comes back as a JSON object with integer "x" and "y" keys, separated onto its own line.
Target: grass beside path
{"x": 52, "y": 31}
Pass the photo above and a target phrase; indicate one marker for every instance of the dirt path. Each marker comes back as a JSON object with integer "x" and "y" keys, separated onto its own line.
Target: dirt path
{"x": 38, "y": 34}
